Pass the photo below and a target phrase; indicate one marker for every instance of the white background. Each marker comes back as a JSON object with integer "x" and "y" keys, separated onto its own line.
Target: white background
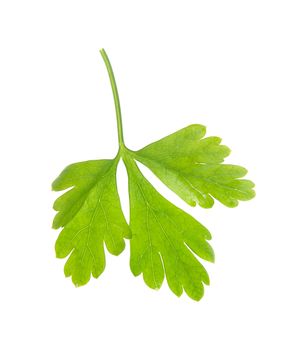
{"x": 219, "y": 63}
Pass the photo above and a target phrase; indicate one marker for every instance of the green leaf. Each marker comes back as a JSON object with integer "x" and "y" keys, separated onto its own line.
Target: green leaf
{"x": 91, "y": 214}
{"x": 165, "y": 238}
{"x": 190, "y": 165}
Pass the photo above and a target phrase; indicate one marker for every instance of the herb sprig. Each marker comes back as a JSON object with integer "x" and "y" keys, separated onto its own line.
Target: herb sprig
{"x": 164, "y": 240}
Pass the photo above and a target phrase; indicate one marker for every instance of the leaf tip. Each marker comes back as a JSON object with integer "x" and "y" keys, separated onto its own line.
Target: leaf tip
{"x": 212, "y": 257}
{"x": 55, "y": 223}
{"x": 54, "y": 185}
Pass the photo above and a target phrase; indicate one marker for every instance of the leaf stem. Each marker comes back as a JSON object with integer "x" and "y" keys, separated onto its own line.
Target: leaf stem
{"x": 116, "y": 98}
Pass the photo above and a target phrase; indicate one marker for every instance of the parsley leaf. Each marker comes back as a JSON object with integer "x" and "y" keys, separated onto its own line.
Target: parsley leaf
{"x": 190, "y": 165}
{"x": 165, "y": 237}
{"x": 164, "y": 240}
{"x": 91, "y": 214}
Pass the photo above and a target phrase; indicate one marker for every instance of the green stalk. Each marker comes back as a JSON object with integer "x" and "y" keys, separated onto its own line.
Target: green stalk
{"x": 116, "y": 98}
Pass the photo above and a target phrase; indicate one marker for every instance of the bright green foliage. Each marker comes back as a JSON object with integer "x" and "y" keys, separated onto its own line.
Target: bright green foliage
{"x": 190, "y": 165}
{"x": 165, "y": 237}
{"x": 91, "y": 214}
{"x": 164, "y": 240}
